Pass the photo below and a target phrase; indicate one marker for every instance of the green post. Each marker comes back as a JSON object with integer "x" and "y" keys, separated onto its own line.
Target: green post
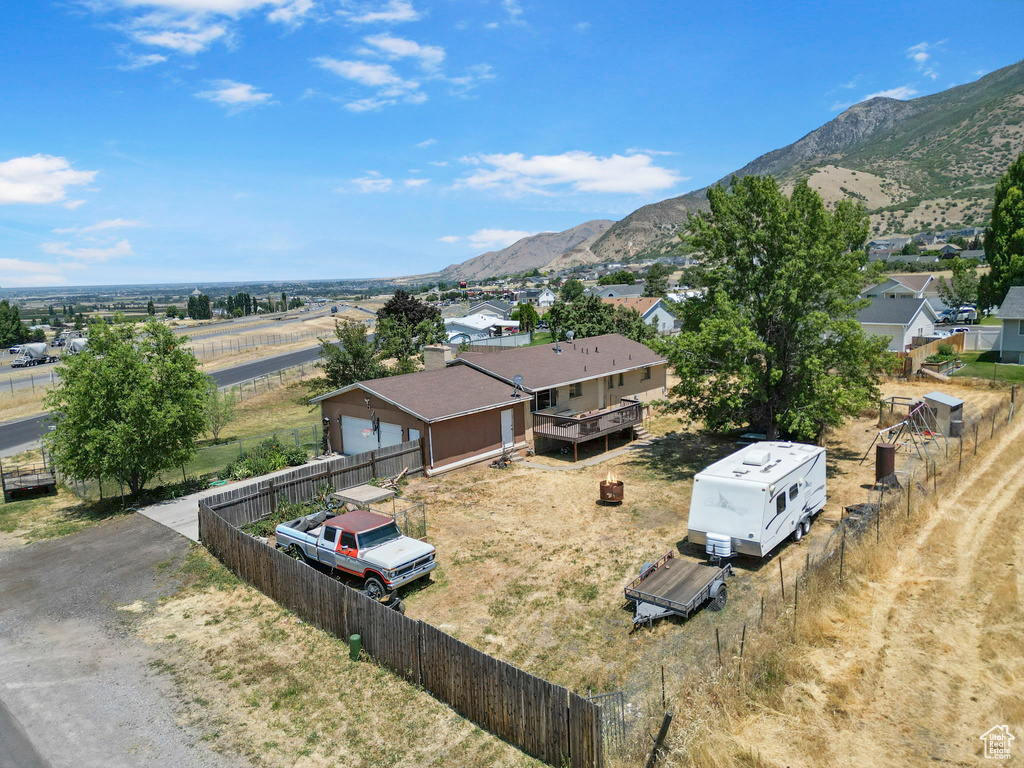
{"x": 355, "y": 645}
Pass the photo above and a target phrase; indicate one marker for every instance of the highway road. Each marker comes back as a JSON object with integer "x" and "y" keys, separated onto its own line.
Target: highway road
{"x": 21, "y": 434}
{"x": 16, "y": 751}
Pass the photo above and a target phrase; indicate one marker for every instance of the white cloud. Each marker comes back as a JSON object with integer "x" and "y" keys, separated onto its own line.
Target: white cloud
{"x": 980, "y": 72}
{"x": 516, "y": 174}
{"x": 449, "y": 239}
{"x": 89, "y": 255}
{"x": 902, "y": 92}
{"x": 73, "y": 204}
{"x": 426, "y": 143}
{"x": 182, "y": 41}
{"x": 368, "y": 74}
{"x": 140, "y": 61}
{"x": 40, "y": 179}
{"x": 372, "y": 182}
{"x": 438, "y": 163}
{"x": 839, "y": 106}
{"x": 21, "y": 272}
{"x": 413, "y": 183}
{"x": 235, "y": 97}
{"x": 392, "y": 12}
{"x": 291, "y": 13}
{"x": 475, "y": 75}
{"x": 581, "y": 26}
{"x": 920, "y": 54}
{"x": 368, "y": 105}
{"x": 852, "y": 83}
{"x": 513, "y": 10}
{"x": 496, "y": 238}
{"x": 430, "y": 57}
{"x": 101, "y": 226}
{"x": 636, "y": 151}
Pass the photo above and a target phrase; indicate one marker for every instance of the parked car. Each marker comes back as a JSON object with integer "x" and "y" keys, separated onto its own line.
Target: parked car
{"x": 960, "y": 329}
{"x": 364, "y": 545}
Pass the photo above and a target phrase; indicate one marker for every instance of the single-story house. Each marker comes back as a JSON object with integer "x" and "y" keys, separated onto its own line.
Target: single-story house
{"x": 903, "y": 287}
{"x": 539, "y": 297}
{"x": 652, "y": 310}
{"x": 1011, "y": 312}
{"x": 461, "y": 415}
{"x": 888, "y": 243}
{"x": 480, "y": 404}
{"x": 475, "y": 327}
{"x": 492, "y": 307}
{"x": 619, "y": 291}
{"x": 978, "y": 254}
{"x": 901, "y": 321}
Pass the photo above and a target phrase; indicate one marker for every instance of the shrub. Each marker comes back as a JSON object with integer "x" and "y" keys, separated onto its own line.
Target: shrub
{"x": 945, "y": 352}
{"x": 269, "y": 456}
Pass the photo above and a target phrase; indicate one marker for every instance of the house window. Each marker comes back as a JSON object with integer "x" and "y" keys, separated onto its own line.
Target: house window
{"x": 646, "y": 375}
{"x": 611, "y": 382}
{"x": 576, "y": 390}
{"x": 621, "y": 379}
{"x": 1020, "y": 327}
{"x": 546, "y": 398}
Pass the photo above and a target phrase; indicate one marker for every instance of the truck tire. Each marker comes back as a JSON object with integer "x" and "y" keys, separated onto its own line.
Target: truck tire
{"x": 374, "y": 588}
{"x": 718, "y": 601}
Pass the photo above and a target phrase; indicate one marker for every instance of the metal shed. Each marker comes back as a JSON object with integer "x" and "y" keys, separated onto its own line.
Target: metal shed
{"x": 949, "y": 413}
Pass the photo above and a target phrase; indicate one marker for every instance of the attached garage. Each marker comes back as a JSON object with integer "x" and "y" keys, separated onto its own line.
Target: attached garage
{"x": 359, "y": 436}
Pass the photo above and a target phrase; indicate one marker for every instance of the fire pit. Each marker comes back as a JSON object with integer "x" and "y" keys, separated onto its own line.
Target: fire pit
{"x": 611, "y": 491}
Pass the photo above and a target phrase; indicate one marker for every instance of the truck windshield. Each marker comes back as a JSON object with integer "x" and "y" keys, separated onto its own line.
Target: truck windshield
{"x": 378, "y": 536}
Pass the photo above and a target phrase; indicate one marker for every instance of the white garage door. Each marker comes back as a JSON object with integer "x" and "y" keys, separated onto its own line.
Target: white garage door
{"x": 353, "y": 438}
{"x": 355, "y": 441}
{"x": 390, "y": 434}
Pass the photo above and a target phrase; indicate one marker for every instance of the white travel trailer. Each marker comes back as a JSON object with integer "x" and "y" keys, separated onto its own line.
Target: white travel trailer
{"x": 748, "y": 502}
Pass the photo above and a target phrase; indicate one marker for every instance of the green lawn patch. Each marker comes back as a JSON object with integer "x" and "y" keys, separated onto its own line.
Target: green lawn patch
{"x": 986, "y": 365}
{"x": 540, "y": 337}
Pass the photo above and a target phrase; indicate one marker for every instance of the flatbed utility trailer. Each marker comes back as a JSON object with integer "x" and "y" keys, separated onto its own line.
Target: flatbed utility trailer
{"x": 677, "y": 586}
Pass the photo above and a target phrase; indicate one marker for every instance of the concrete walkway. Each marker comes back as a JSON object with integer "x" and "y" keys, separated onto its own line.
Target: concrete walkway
{"x": 182, "y": 514}
{"x": 592, "y": 461}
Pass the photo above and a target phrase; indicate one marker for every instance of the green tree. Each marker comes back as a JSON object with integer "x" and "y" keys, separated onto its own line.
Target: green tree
{"x": 592, "y": 317}
{"x": 352, "y": 357}
{"x": 171, "y": 311}
{"x": 405, "y": 324}
{"x": 772, "y": 343}
{"x": 622, "y": 277}
{"x": 656, "y": 280}
{"x": 572, "y": 290}
{"x": 151, "y": 308}
{"x": 220, "y": 409}
{"x": 910, "y": 249}
{"x": 131, "y": 405}
{"x": 963, "y": 286}
{"x": 527, "y": 316}
{"x": 12, "y": 330}
{"x": 1004, "y": 237}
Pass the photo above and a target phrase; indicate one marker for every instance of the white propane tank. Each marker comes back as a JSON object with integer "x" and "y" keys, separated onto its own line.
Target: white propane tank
{"x": 718, "y": 546}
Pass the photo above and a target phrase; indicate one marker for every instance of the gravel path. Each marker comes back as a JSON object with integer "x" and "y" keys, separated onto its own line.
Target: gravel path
{"x": 72, "y": 675}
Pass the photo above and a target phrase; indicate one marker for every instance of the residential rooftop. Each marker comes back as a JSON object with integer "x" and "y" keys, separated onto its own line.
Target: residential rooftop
{"x": 1012, "y": 307}
{"x": 891, "y": 311}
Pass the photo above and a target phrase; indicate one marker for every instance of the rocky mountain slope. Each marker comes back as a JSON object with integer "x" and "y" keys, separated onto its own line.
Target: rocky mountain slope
{"x": 930, "y": 162}
{"x": 531, "y": 252}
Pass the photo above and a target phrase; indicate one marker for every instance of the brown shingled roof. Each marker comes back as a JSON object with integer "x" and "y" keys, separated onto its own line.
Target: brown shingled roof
{"x": 437, "y": 395}
{"x": 640, "y": 304}
{"x": 541, "y": 367}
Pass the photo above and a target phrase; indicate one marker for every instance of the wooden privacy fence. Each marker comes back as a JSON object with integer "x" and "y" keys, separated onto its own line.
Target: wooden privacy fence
{"x": 252, "y": 502}
{"x": 540, "y": 718}
{"x": 912, "y": 360}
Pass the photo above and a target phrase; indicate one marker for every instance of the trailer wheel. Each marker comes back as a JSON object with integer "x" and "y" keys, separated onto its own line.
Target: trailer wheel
{"x": 374, "y": 588}
{"x": 718, "y": 601}
{"x": 807, "y": 526}
{"x": 798, "y": 533}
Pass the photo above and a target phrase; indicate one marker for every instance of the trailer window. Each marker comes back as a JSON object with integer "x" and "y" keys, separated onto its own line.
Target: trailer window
{"x": 793, "y": 491}
{"x": 330, "y": 534}
{"x": 780, "y": 503}
{"x": 348, "y": 540}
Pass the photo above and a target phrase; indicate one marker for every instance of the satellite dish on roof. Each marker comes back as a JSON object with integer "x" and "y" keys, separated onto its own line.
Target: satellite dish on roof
{"x": 518, "y": 380}
{"x": 517, "y": 385}
{"x": 570, "y": 335}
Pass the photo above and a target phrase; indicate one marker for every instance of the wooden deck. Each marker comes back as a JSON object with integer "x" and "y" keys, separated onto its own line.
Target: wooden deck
{"x": 581, "y": 428}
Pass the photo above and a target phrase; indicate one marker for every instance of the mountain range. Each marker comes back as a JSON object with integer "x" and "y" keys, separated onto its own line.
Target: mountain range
{"x": 925, "y": 163}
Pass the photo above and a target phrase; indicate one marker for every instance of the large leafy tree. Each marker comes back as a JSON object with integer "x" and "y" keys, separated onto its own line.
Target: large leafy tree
{"x": 527, "y": 316}
{"x": 962, "y": 287}
{"x": 590, "y": 316}
{"x": 405, "y": 324}
{"x": 12, "y": 330}
{"x": 129, "y": 406}
{"x": 622, "y": 277}
{"x": 656, "y": 280}
{"x": 772, "y": 343}
{"x": 1004, "y": 238}
{"x": 572, "y": 290}
{"x": 352, "y": 357}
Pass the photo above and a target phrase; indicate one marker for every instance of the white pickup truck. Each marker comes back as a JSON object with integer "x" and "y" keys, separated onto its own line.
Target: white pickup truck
{"x": 362, "y": 544}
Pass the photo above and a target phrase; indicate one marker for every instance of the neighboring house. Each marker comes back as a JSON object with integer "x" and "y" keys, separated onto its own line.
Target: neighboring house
{"x": 618, "y": 291}
{"x": 926, "y": 239}
{"x": 539, "y": 297}
{"x": 903, "y": 287}
{"x": 884, "y": 254}
{"x": 901, "y": 320}
{"x": 473, "y": 409}
{"x": 888, "y": 243}
{"x": 491, "y": 307}
{"x": 944, "y": 249}
{"x": 1011, "y": 312}
{"x": 652, "y": 310}
{"x": 975, "y": 254}
{"x": 478, "y": 326}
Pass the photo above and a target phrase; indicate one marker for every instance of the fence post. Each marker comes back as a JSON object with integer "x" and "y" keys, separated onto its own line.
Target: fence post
{"x": 373, "y": 463}
{"x": 782, "y": 580}
{"x": 743, "y": 643}
{"x": 842, "y": 557}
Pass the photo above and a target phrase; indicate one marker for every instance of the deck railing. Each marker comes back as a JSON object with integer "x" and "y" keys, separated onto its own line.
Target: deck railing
{"x": 579, "y": 429}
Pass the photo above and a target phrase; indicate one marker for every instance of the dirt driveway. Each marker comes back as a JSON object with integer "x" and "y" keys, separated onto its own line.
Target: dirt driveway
{"x": 73, "y": 679}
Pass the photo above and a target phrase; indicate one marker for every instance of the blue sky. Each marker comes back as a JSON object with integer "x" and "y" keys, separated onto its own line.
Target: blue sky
{"x": 204, "y": 140}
